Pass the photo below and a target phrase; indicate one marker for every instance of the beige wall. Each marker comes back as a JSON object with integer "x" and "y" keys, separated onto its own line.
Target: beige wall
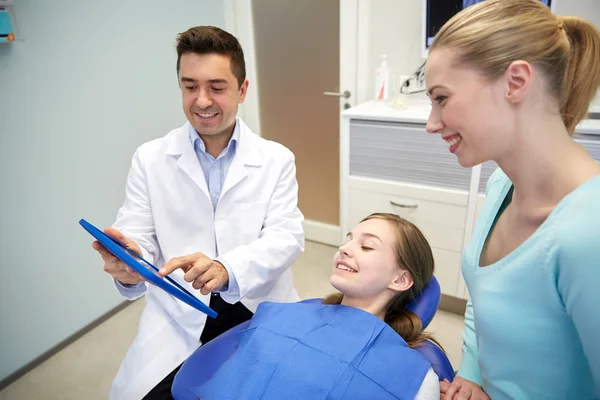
{"x": 297, "y": 58}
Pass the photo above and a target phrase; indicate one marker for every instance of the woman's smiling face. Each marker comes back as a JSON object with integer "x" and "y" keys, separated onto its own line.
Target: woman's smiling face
{"x": 468, "y": 109}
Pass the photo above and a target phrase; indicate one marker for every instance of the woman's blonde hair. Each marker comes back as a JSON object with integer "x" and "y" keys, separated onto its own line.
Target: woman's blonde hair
{"x": 492, "y": 34}
{"x": 413, "y": 254}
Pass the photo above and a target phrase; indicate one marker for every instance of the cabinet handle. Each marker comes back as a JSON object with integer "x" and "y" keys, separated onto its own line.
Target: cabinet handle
{"x": 403, "y": 205}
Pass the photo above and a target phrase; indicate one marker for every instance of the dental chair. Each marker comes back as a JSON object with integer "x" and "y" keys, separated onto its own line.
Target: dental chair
{"x": 205, "y": 361}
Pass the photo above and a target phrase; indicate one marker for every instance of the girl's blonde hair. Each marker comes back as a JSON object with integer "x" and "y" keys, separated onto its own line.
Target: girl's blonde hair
{"x": 492, "y": 34}
{"x": 413, "y": 254}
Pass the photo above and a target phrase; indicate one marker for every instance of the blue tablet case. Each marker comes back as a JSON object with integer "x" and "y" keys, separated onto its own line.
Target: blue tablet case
{"x": 134, "y": 261}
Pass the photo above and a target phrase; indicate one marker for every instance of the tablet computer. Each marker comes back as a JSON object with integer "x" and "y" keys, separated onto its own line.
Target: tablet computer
{"x": 139, "y": 265}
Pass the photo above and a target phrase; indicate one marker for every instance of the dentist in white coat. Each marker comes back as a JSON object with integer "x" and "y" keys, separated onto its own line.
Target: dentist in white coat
{"x": 216, "y": 206}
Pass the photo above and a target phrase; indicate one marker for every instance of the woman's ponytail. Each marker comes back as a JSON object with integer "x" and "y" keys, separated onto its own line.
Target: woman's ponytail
{"x": 582, "y": 75}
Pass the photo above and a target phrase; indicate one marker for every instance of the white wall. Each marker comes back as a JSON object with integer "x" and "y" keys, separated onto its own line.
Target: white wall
{"x": 84, "y": 85}
{"x": 394, "y": 29}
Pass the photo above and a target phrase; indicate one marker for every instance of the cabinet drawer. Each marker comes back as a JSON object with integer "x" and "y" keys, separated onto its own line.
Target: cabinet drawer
{"x": 447, "y": 270}
{"x": 403, "y": 152}
{"x": 442, "y": 224}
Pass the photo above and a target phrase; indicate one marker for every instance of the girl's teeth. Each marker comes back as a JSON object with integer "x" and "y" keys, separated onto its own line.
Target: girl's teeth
{"x": 344, "y": 268}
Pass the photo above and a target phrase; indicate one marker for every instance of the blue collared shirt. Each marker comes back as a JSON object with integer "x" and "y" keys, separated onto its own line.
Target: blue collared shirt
{"x": 215, "y": 169}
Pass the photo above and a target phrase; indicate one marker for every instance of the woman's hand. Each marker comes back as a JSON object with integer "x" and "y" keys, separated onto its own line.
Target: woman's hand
{"x": 461, "y": 389}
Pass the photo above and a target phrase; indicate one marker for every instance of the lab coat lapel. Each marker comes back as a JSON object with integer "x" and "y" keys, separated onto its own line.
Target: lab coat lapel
{"x": 246, "y": 156}
{"x": 236, "y": 173}
{"x": 187, "y": 160}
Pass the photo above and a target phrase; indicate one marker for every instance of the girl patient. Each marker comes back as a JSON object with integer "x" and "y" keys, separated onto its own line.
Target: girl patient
{"x": 357, "y": 344}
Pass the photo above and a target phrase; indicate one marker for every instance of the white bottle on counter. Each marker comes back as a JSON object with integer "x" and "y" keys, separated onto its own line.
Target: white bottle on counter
{"x": 382, "y": 80}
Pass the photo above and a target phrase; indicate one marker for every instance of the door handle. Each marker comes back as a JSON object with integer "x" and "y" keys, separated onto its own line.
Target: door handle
{"x": 403, "y": 205}
{"x": 345, "y": 95}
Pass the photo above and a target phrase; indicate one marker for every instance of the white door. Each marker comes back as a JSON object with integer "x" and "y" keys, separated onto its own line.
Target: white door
{"x": 302, "y": 63}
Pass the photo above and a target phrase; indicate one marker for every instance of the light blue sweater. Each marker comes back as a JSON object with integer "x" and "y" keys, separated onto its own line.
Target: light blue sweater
{"x": 532, "y": 325}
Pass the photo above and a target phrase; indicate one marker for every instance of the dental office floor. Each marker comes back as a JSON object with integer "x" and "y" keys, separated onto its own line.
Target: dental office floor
{"x": 85, "y": 369}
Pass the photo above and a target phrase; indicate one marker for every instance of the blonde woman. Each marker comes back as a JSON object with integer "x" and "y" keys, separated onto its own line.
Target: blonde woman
{"x": 509, "y": 82}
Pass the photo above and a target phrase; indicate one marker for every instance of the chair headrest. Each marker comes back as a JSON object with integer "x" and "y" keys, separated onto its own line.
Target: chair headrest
{"x": 426, "y": 303}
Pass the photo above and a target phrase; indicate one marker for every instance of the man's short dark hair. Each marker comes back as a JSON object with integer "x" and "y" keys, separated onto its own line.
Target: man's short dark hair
{"x": 213, "y": 40}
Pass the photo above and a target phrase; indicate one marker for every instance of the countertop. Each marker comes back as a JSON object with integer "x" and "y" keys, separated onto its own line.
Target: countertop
{"x": 416, "y": 110}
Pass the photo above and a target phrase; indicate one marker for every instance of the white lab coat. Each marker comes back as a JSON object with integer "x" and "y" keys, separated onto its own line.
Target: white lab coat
{"x": 257, "y": 228}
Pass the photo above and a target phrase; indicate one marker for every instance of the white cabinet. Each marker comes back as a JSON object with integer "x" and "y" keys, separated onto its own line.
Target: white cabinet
{"x": 440, "y": 213}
